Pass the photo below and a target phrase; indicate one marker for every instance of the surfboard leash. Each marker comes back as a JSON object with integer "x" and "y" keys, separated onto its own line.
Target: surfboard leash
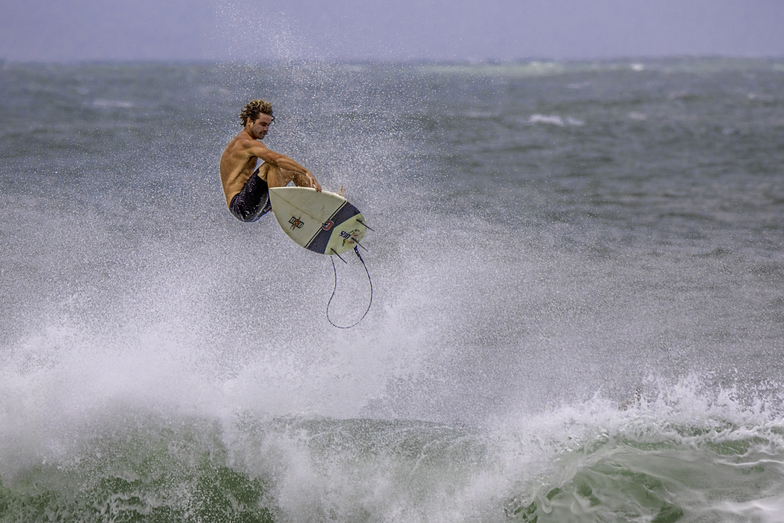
{"x": 335, "y": 289}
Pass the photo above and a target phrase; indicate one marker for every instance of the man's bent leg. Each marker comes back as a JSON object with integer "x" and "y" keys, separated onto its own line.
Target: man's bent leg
{"x": 276, "y": 177}
{"x": 252, "y": 202}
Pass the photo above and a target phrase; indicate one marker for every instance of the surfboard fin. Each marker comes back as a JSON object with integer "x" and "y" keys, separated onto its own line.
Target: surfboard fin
{"x": 365, "y": 225}
{"x": 360, "y": 245}
{"x": 338, "y": 255}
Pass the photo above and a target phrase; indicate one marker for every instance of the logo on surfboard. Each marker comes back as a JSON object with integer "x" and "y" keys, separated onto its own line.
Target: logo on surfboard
{"x": 350, "y": 237}
{"x": 296, "y": 223}
{"x": 327, "y": 225}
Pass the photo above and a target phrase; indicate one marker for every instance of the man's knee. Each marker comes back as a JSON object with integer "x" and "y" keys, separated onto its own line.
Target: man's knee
{"x": 264, "y": 170}
{"x": 276, "y": 177}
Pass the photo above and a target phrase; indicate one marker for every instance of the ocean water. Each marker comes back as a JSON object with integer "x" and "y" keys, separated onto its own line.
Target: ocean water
{"x": 578, "y": 295}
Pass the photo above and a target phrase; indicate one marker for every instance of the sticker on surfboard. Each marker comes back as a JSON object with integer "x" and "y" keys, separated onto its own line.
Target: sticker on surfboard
{"x": 323, "y": 222}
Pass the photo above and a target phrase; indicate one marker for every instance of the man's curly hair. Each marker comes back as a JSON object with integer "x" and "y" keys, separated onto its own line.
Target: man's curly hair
{"x": 254, "y": 109}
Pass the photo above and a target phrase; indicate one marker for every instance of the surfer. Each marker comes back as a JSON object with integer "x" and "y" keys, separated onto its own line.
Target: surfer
{"x": 246, "y": 189}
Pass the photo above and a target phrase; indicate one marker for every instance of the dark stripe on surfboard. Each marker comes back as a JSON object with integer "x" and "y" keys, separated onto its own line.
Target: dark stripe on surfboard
{"x": 320, "y": 240}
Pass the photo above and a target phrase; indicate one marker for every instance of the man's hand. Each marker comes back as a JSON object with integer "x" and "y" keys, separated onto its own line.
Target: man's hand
{"x": 307, "y": 180}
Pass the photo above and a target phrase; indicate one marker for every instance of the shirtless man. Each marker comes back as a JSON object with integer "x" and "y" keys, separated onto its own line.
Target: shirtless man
{"x": 247, "y": 191}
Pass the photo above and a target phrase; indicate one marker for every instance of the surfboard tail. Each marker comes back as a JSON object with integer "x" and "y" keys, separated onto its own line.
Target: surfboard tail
{"x": 337, "y": 223}
{"x": 322, "y": 222}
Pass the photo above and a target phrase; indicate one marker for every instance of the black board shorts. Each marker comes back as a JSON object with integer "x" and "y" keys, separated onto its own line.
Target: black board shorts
{"x": 252, "y": 202}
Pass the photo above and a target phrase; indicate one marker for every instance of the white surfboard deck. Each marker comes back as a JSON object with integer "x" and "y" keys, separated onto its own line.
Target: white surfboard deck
{"x": 323, "y": 222}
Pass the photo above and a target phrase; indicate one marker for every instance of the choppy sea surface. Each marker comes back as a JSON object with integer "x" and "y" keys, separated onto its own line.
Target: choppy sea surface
{"x": 578, "y": 295}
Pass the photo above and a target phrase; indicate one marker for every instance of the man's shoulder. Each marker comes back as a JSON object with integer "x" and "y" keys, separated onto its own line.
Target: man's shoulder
{"x": 240, "y": 137}
{"x": 238, "y": 143}
{"x": 244, "y": 141}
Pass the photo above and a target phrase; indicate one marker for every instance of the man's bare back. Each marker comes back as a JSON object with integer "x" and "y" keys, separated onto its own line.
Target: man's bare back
{"x": 239, "y": 159}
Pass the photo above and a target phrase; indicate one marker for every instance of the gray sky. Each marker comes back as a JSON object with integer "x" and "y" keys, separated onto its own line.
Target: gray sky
{"x": 73, "y": 30}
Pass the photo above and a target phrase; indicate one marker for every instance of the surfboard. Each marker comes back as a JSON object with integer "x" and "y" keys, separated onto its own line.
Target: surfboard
{"x": 323, "y": 222}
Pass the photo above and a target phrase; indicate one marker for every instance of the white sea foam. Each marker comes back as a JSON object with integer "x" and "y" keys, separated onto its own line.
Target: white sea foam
{"x": 559, "y": 307}
{"x": 555, "y": 120}
{"x": 112, "y": 104}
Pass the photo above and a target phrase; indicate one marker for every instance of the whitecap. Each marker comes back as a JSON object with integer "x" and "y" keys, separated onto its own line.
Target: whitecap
{"x": 554, "y": 119}
{"x": 112, "y": 104}
{"x": 546, "y": 119}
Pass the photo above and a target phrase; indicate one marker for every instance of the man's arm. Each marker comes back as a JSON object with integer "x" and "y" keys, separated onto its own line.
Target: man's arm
{"x": 302, "y": 176}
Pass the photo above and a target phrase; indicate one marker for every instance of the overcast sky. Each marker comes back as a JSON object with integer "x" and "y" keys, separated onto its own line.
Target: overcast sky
{"x": 251, "y": 30}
